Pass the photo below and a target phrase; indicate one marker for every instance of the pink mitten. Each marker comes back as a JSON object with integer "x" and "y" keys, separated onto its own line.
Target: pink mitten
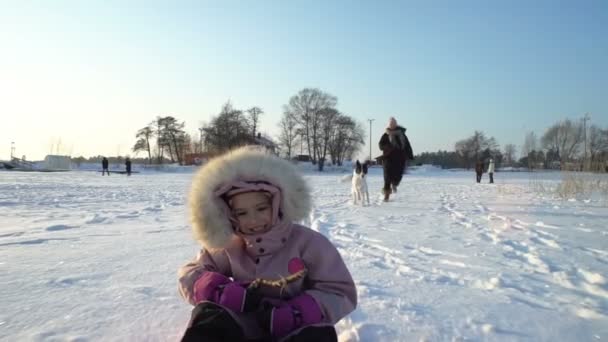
{"x": 209, "y": 287}
{"x": 300, "y": 311}
{"x": 233, "y": 297}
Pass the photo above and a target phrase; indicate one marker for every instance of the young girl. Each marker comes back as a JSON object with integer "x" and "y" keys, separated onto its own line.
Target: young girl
{"x": 260, "y": 276}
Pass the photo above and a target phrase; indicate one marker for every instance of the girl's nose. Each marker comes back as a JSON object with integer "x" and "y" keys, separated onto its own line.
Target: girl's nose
{"x": 251, "y": 219}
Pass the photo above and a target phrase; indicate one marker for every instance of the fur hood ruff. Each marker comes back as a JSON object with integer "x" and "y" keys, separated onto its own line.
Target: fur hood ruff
{"x": 208, "y": 213}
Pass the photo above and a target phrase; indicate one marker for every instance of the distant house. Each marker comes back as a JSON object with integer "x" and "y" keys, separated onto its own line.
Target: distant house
{"x": 57, "y": 163}
{"x": 302, "y": 158}
{"x": 266, "y": 142}
{"x": 196, "y": 158}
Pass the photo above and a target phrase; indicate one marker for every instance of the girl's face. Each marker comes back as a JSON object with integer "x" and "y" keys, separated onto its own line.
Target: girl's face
{"x": 252, "y": 211}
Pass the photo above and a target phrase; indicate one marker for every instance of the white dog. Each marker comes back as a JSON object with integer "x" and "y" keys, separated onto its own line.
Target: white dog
{"x": 359, "y": 184}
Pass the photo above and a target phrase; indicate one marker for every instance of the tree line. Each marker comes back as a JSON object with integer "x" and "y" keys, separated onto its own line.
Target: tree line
{"x": 165, "y": 140}
{"x": 565, "y": 145}
{"x": 311, "y": 125}
{"x": 466, "y": 153}
{"x": 310, "y": 120}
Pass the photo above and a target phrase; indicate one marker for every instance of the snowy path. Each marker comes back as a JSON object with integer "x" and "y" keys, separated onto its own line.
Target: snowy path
{"x": 468, "y": 261}
{"x": 86, "y": 258}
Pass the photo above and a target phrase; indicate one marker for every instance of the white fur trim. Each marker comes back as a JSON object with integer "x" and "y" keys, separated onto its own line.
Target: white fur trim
{"x": 210, "y": 224}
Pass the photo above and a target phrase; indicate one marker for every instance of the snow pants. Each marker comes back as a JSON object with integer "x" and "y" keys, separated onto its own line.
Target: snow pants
{"x": 393, "y": 168}
{"x": 212, "y": 323}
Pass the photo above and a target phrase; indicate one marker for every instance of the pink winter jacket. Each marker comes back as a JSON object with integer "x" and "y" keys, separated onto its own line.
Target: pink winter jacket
{"x": 267, "y": 256}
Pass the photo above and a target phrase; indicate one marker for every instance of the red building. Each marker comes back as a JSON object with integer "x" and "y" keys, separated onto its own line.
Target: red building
{"x": 196, "y": 158}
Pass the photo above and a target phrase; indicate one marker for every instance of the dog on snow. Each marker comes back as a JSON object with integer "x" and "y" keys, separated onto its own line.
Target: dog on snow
{"x": 359, "y": 184}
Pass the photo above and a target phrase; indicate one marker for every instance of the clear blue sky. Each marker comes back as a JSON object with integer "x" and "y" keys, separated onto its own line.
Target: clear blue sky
{"x": 86, "y": 75}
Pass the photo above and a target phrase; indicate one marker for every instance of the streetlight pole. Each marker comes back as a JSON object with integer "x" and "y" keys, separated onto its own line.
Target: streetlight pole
{"x": 201, "y": 139}
{"x": 585, "y": 119}
{"x": 12, "y": 149}
{"x": 370, "y": 138}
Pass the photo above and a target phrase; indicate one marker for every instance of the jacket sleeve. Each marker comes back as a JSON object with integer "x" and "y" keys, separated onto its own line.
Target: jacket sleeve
{"x": 385, "y": 145}
{"x": 409, "y": 154}
{"x": 328, "y": 281}
{"x": 204, "y": 262}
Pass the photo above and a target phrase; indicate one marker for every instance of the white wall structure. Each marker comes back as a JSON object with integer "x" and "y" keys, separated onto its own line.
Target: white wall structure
{"x": 54, "y": 162}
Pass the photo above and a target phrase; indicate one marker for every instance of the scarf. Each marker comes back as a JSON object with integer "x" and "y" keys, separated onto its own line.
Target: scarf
{"x": 396, "y": 137}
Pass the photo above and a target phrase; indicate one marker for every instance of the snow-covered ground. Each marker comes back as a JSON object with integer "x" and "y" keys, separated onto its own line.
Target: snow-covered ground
{"x": 91, "y": 258}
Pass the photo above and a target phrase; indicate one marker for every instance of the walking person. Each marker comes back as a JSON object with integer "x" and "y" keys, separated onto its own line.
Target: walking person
{"x": 396, "y": 150}
{"x": 491, "y": 170}
{"x": 128, "y": 166}
{"x": 479, "y": 170}
{"x": 104, "y": 166}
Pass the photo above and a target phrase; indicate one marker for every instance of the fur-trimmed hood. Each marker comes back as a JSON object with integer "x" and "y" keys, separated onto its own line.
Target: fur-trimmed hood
{"x": 210, "y": 223}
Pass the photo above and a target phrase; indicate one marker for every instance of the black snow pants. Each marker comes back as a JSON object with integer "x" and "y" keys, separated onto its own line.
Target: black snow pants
{"x": 212, "y": 323}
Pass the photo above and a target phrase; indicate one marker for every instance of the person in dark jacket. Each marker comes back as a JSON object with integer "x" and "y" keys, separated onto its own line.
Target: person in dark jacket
{"x": 104, "y": 166}
{"x": 479, "y": 170}
{"x": 396, "y": 150}
{"x": 128, "y": 166}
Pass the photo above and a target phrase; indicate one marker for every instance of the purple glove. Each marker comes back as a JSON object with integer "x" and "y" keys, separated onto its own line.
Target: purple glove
{"x": 238, "y": 298}
{"x": 298, "y": 312}
{"x": 218, "y": 288}
{"x": 209, "y": 286}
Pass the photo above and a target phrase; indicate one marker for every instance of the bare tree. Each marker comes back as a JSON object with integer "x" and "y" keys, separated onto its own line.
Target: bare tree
{"x": 528, "y": 149}
{"x": 347, "y": 140}
{"x": 288, "y": 133}
{"x": 143, "y": 141}
{"x": 492, "y": 145}
{"x": 185, "y": 146}
{"x": 306, "y": 107}
{"x": 299, "y": 140}
{"x": 551, "y": 139}
{"x": 228, "y": 130}
{"x": 254, "y": 117}
{"x": 174, "y": 137}
{"x": 530, "y": 142}
{"x": 598, "y": 146}
{"x": 161, "y": 143}
{"x": 564, "y": 137}
{"x": 328, "y": 118}
{"x": 197, "y": 139}
{"x": 471, "y": 149}
{"x": 355, "y": 140}
{"x": 510, "y": 151}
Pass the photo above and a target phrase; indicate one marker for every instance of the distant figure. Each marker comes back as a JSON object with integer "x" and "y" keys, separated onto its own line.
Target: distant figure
{"x": 479, "y": 170}
{"x": 396, "y": 150}
{"x": 491, "y": 170}
{"x": 104, "y": 166}
{"x": 128, "y": 165}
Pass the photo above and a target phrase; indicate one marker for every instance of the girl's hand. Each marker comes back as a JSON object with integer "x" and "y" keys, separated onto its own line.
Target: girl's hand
{"x": 297, "y": 312}
{"x": 208, "y": 287}
{"x": 239, "y": 298}
{"x": 218, "y": 288}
